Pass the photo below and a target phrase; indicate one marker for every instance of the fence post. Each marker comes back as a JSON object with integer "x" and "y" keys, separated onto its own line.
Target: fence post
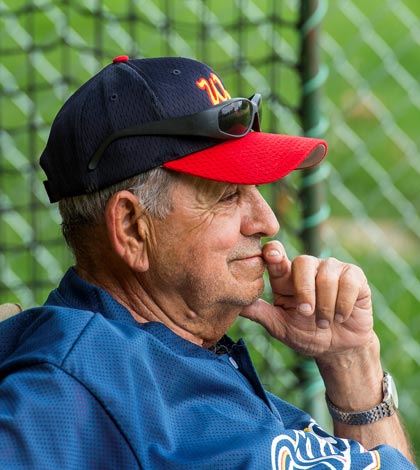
{"x": 311, "y": 193}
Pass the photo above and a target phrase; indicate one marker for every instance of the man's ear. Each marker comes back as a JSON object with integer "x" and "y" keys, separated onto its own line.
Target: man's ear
{"x": 128, "y": 230}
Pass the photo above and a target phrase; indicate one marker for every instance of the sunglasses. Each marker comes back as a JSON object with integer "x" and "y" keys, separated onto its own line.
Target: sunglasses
{"x": 228, "y": 120}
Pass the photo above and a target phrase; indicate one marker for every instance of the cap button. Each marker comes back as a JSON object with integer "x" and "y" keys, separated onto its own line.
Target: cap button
{"x": 120, "y": 58}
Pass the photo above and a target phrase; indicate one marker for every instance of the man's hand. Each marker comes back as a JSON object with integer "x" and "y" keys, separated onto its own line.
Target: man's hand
{"x": 320, "y": 306}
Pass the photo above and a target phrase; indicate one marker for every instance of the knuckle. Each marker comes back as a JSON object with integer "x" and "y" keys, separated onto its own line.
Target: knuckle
{"x": 304, "y": 267}
{"x": 328, "y": 271}
{"x": 324, "y": 311}
{"x": 304, "y": 290}
{"x": 331, "y": 265}
{"x": 304, "y": 260}
{"x": 326, "y": 277}
{"x": 354, "y": 270}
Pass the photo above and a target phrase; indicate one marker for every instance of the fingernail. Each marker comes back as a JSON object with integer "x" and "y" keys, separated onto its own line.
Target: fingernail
{"x": 273, "y": 253}
{"x": 339, "y": 318}
{"x": 305, "y": 308}
{"x": 323, "y": 324}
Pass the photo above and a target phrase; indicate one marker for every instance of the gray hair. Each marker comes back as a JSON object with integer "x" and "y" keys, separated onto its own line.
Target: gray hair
{"x": 81, "y": 213}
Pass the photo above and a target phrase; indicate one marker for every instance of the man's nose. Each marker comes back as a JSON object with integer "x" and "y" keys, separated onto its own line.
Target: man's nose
{"x": 259, "y": 217}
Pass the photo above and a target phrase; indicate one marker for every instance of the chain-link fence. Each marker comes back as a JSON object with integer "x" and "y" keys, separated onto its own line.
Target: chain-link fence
{"x": 371, "y": 98}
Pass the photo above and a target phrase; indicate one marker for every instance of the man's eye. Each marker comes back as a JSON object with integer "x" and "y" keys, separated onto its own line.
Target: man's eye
{"x": 230, "y": 196}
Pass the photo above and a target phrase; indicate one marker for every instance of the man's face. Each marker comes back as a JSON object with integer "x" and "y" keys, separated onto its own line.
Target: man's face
{"x": 206, "y": 254}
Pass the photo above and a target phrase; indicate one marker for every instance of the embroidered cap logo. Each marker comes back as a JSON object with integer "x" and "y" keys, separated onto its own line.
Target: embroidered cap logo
{"x": 214, "y": 88}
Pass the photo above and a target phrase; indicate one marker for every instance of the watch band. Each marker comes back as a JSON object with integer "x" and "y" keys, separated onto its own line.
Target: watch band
{"x": 386, "y": 408}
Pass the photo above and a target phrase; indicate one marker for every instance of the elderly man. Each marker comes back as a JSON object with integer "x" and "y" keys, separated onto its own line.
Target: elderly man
{"x": 127, "y": 365}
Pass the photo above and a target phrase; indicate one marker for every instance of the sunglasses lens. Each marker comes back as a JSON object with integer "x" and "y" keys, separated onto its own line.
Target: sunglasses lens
{"x": 235, "y": 118}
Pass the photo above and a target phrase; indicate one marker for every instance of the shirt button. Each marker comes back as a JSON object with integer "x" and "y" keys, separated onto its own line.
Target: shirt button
{"x": 233, "y": 362}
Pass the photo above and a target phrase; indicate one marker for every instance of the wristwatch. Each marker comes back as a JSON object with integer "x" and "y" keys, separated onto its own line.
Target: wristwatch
{"x": 387, "y": 407}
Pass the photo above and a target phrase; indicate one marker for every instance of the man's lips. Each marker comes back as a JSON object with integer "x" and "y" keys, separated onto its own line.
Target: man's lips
{"x": 255, "y": 257}
{"x": 247, "y": 251}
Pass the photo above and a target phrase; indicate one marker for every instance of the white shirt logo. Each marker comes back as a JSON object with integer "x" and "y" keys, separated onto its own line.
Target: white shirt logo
{"x": 314, "y": 449}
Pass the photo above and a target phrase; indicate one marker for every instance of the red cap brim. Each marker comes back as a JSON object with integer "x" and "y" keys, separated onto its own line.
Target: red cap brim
{"x": 257, "y": 158}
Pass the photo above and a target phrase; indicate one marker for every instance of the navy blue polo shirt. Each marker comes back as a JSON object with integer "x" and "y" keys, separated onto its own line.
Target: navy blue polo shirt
{"x": 84, "y": 386}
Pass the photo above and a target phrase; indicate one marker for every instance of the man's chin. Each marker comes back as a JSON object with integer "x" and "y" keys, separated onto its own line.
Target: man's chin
{"x": 247, "y": 300}
{"x": 256, "y": 297}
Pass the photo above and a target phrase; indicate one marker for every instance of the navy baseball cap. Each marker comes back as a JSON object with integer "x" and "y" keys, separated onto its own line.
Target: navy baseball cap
{"x": 136, "y": 92}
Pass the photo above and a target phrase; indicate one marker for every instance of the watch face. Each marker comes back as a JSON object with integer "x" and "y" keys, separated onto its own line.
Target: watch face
{"x": 390, "y": 392}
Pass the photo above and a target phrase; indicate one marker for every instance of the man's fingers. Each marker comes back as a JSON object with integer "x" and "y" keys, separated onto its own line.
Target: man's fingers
{"x": 327, "y": 288}
{"x": 267, "y": 316}
{"x": 327, "y": 284}
{"x": 257, "y": 310}
{"x": 279, "y": 268}
{"x": 353, "y": 291}
{"x": 304, "y": 272}
{"x": 276, "y": 258}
